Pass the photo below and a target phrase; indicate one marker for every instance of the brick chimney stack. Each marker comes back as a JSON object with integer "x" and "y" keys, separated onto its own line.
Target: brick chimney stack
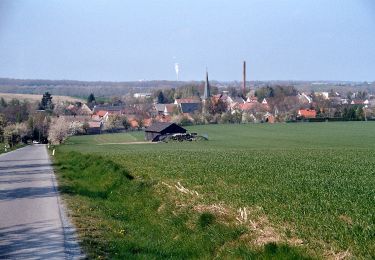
{"x": 244, "y": 79}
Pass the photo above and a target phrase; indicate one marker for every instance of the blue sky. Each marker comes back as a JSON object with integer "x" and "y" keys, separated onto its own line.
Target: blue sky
{"x": 139, "y": 39}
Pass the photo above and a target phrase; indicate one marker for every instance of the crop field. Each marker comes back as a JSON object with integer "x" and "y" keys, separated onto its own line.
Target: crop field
{"x": 287, "y": 191}
{"x": 38, "y": 98}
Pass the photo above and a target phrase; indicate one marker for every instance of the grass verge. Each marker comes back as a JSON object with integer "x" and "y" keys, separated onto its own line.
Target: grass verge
{"x": 120, "y": 216}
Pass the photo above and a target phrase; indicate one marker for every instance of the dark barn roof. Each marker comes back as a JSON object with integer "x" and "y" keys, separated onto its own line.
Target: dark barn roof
{"x": 189, "y": 107}
{"x": 159, "y": 127}
{"x": 108, "y": 108}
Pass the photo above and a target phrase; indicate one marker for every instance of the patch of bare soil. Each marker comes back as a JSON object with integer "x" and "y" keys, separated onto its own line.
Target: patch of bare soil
{"x": 260, "y": 230}
{"x": 332, "y": 255}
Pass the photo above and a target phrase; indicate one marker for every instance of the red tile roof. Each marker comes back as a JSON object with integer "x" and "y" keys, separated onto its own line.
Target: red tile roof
{"x": 101, "y": 113}
{"x": 169, "y": 108}
{"x": 248, "y": 106}
{"x": 307, "y": 113}
{"x": 133, "y": 123}
{"x": 356, "y": 102}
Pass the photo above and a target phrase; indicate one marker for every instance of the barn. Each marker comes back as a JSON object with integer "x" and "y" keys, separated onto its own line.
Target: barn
{"x": 157, "y": 129}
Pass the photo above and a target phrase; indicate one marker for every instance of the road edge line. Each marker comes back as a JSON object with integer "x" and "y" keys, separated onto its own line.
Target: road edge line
{"x": 72, "y": 249}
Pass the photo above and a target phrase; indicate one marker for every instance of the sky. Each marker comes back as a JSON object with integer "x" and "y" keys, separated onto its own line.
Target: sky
{"x": 123, "y": 40}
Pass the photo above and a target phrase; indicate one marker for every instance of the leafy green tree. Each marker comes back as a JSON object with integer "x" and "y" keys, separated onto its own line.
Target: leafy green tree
{"x": 125, "y": 123}
{"x": 3, "y": 124}
{"x": 215, "y": 107}
{"x": 46, "y": 103}
{"x": 278, "y": 93}
{"x": 359, "y": 113}
{"x": 349, "y": 113}
{"x": 91, "y": 98}
{"x": 229, "y": 118}
{"x": 247, "y": 117}
{"x": 362, "y": 95}
{"x": 184, "y": 121}
{"x": 226, "y": 118}
{"x": 85, "y": 126}
{"x": 39, "y": 124}
{"x": 169, "y": 95}
{"x": 10, "y": 136}
{"x": 161, "y": 98}
{"x": 264, "y": 92}
{"x": 3, "y": 103}
{"x": 141, "y": 122}
{"x": 237, "y": 117}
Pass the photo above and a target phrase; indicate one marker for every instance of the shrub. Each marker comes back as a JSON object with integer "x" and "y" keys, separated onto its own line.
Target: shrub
{"x": 206, "y": 219}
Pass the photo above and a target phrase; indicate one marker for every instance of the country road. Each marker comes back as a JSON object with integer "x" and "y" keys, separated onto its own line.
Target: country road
{"x": 33, "y": 224}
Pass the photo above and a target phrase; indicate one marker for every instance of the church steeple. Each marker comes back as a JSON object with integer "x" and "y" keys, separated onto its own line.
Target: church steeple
{"x": 207, "y": 92}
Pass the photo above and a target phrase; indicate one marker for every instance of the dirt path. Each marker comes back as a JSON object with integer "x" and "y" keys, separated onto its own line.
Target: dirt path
{"x": 129, "y": 143}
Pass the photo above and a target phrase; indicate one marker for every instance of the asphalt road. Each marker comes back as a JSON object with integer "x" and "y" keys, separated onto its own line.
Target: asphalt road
{"x": 33, "y": 223}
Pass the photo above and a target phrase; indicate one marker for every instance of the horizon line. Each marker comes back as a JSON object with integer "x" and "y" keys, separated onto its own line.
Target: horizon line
{"x": 194, "y": 80}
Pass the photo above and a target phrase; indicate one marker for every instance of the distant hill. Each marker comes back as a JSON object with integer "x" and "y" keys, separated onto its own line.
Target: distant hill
{"x": 108, "y": 89}
{"x": 82, "y": 88}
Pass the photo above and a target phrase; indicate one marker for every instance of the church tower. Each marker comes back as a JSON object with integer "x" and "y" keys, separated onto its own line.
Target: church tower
{"x": 207, "y": 92}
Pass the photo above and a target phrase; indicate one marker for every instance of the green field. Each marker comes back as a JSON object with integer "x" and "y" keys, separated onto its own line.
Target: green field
{"x": 307, "y": 189}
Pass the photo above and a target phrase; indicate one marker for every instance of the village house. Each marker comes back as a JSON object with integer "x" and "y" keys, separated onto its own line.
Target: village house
{"x": 307, "y": 113}
{"x": 359, "y": 102}
{"x": 101, "y": 115}
{"x": 158, "y": 109}
{"x": 108, "y": 108}
{"x": 304, "y": 98}
{"x": 94, "y": 127}
{"x": 269, "y": 118}
{"x": 231, "y": 102}
{"x": 78, "y": 109}
{"x": 248, "y": 106}
{"x": 324, "y": 95}
{"x": 252, "y": 99}
{"x": 169, "y": 109}
{"x": 188, "y": 105}
{"x": 179, "y": 101}
{"x": 85, "y": 110}
{"x": 371, "y": 103}
{"x": 142, "y": 95}
{"x": 77, "y": 122}
{"x": 336, "y": 101}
